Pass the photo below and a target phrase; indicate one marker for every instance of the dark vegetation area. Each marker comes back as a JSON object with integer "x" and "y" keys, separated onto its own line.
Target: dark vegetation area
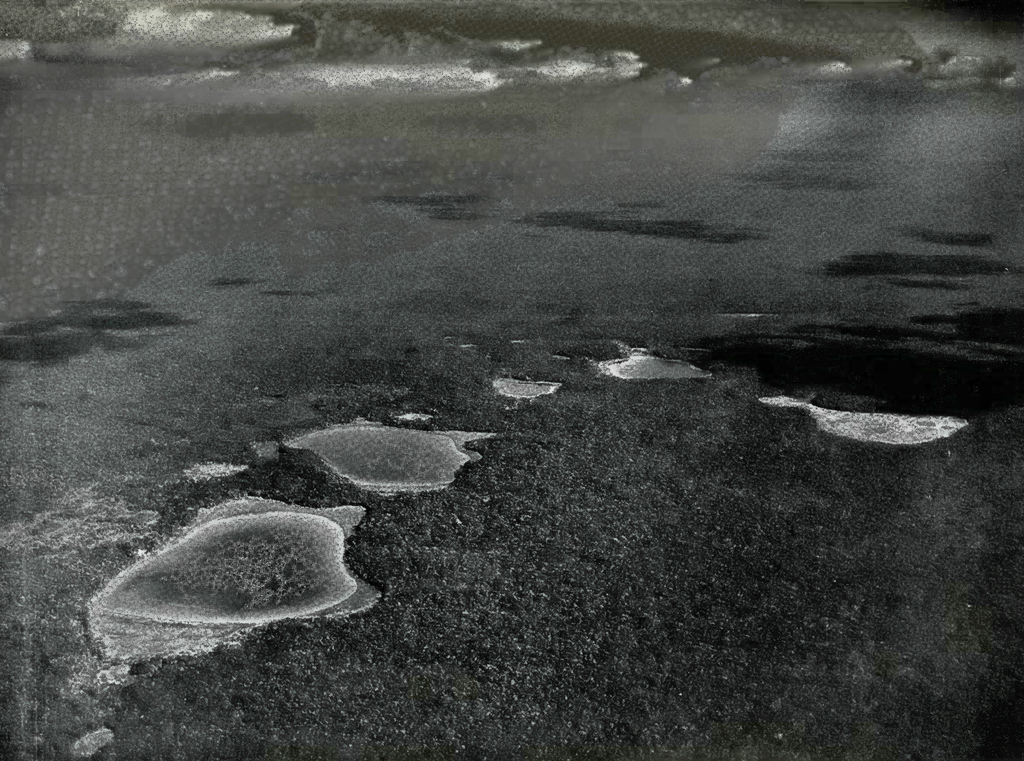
{"x": 629, "y": 565}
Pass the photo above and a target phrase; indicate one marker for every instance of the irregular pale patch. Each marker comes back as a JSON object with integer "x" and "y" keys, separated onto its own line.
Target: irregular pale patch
{"x": 424, "y": 76}
{"x": 118, "y": 674}
{"x": 518, "y": 389}
{"x": 90, "y": 744}
{"x": 835, "y": 68}
{"x": 206, "y": 471}
{"x": 619, "y": 64}
{"x": 197, "y": 29}
{"x": 876, "y": 427}
{"x": 388, "y": 460}
{"x": 675, "y": 82}
{"x": 175, "y": 80}
{"x": 518, "y": 46}
{"x": 414, "y": 417}
{"x": 245, "y": 563}
{"x": 15, "y": 50}
{"x": 265, "y": 450}
{"x": 641, "y": 365}
{"x": 82, "y": 520}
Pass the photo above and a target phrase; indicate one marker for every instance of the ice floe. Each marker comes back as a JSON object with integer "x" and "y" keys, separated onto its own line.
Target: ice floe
{"x": 642, "y": 365}
{"x": 414, "y": 417}
{"x": 89, "y": 745}
{"x": 206, "y": 471}
{"x": 436, "y": 77}
{"x": 244, "y": 563}
{"x": 876, "y": 427}
{"x": 15, "y": 50}
{"x": 163, "y": 28}
{"x": 388, "y": 460}
{"x": 517, "y": 46}
{"x": 615, "y": 65}
{"x": 518, "y": 389}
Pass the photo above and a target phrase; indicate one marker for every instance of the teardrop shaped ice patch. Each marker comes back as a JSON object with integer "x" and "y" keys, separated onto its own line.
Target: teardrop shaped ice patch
{"x": 876, "y": 427}
{"x": 518, "y": 389}
{"x": 245, "y": 563}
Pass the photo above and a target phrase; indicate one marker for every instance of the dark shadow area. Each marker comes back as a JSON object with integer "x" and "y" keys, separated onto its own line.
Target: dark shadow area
{"x": 370, "y": 168}
{"x": 455, "y": 214}
{"x": 888, "y": 263}
{"x": 250, "y": 124}
{"x": 1005, "y": 326}
{"x": 641, "y": 205}
{"x": 1001, "y": 728}
{"x": 792, "y": 178}
{"x": 933, "y": 283}
{"x": 666, "y": 40}
{"x": 230, "y": 282}
{"x": 450, "y": 207}
{"x": 80, "y": 327}
{"x": 950, "y": 239}
{"x": 662, "y": 228}
{"x": 933, "y": 375}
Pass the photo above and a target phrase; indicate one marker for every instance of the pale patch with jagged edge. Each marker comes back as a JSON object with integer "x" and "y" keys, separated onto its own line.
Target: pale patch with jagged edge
{"x": 389, "y": 460}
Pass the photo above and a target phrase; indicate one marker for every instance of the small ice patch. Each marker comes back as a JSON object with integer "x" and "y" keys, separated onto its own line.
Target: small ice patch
{"x": 117, "y": 674}
{"x": 15, "y": 50}
{"x": 835, "y": 68}
{"x": 414, "y": 417}
{"x": 641, "y": 365}
{"x": 89, "y": 745}
{"x": 518, "y": 46}
{"x": 674, "y": 82}
{"x": 875, "y": 427}
{"x": 206, "y": 471}
{"x": 158, "y": 27}
{"x": 524, "y": 389}
{"x": 390, "y": 460}
{"x": 611, "y": 66}
{"x": 423, "y": 77}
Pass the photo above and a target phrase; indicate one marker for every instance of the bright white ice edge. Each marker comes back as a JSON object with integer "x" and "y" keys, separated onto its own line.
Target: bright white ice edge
{"x": 875, "y": 427}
